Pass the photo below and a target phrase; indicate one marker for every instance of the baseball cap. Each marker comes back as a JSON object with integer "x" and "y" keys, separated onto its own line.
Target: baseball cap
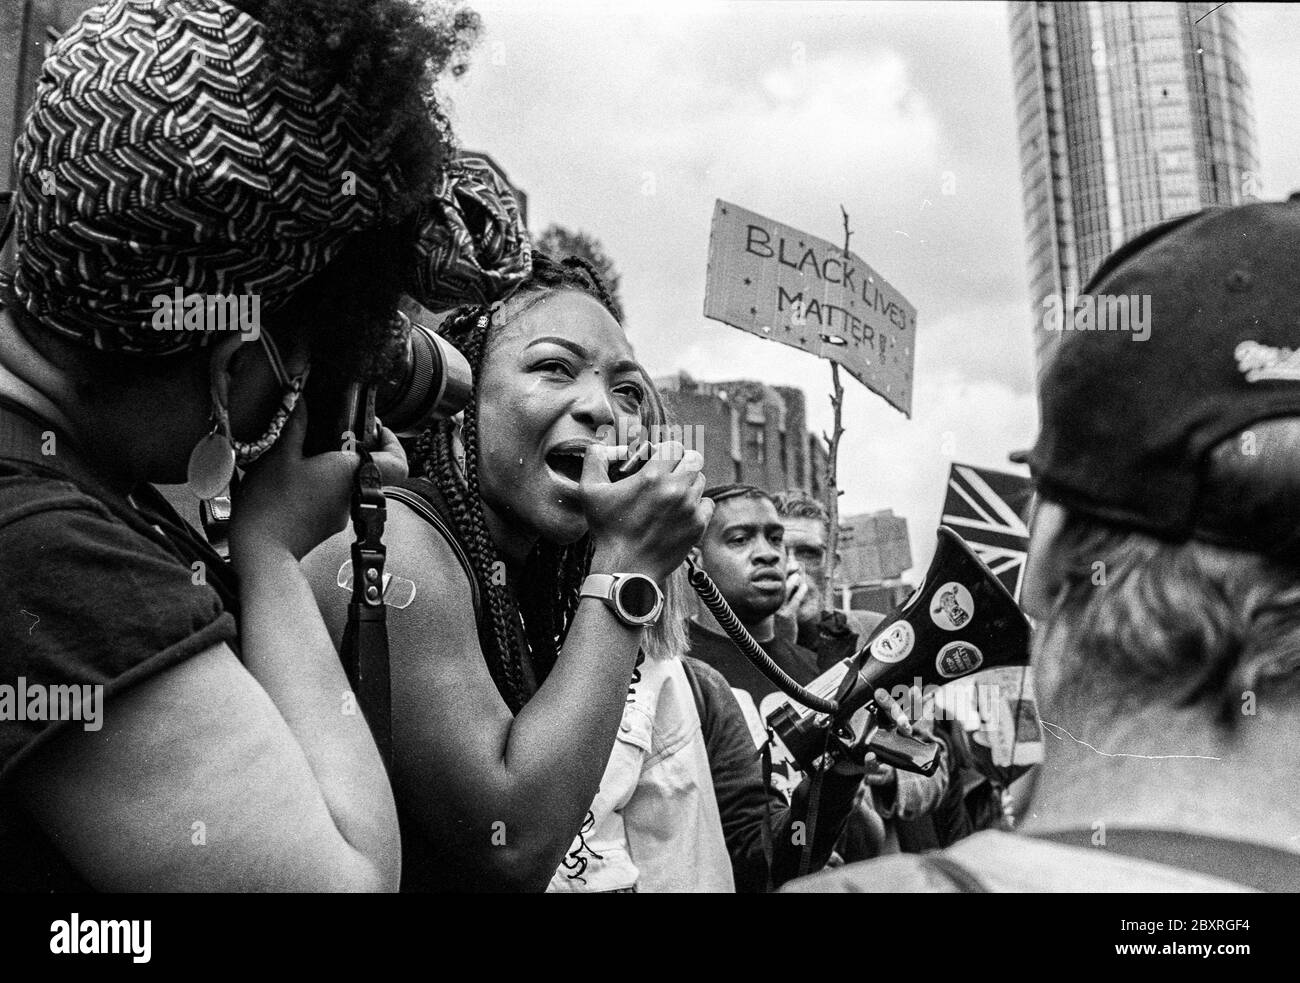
{"x": 1127, "y": 420}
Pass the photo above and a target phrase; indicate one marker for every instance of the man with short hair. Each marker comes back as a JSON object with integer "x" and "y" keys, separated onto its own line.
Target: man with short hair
{"x": 1164, "y": 566}
{"x": 743, "y": 551}
{"x": 834, "y": 635}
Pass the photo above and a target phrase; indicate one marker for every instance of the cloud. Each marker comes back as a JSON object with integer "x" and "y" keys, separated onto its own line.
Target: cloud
{"x": 888, "y": 461}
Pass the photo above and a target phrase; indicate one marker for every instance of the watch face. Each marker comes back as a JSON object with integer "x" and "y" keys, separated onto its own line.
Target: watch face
{"x": 638, "y": 596}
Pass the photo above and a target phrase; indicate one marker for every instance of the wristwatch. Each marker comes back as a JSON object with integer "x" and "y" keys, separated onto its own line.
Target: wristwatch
{"x": 635, "y": 599}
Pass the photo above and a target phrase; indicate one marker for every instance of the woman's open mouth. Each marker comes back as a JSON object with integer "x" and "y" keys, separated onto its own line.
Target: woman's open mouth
{"x": 567, "y": 462}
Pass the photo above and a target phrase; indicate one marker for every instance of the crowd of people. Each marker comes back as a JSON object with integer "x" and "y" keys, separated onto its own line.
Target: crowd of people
{"x": 565, "y": 714}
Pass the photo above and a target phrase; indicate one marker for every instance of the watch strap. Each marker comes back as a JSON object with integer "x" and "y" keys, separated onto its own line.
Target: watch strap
{"x": 599, "y": 585}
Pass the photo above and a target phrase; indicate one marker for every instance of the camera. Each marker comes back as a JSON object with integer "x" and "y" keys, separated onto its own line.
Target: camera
{"x": 428, "y": 380}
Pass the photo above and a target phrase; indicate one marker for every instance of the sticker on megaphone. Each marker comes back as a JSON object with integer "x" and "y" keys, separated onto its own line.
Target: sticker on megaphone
{"x": 952, "y": 606}
{"x": 894, "y": 644}
{"x": 958, "y": 659}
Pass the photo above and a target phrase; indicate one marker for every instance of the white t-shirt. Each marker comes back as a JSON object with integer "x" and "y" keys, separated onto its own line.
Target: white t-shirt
{"x": 654, "y": 824}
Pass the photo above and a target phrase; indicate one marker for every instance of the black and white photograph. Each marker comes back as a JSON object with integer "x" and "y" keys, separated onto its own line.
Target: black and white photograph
{"x": 588, "y": 447}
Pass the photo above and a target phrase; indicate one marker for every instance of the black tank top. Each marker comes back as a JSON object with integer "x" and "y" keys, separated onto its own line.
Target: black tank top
{"x": 428, "y": 864}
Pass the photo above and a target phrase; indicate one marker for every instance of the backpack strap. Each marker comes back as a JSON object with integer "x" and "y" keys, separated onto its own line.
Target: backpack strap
{"x": 415, "y": 497}
{"x": 769, "y": 848}
{"x": 695, "y": 688}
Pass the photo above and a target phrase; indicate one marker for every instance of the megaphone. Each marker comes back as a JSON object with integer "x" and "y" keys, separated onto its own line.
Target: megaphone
{"x": 960, "y": 620}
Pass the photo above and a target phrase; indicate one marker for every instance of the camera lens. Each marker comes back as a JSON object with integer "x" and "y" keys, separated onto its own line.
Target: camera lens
{"x": 432, "y": 382}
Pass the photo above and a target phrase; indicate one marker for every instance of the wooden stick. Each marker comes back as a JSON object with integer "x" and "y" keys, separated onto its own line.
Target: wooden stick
{"x": 832, "y": 465}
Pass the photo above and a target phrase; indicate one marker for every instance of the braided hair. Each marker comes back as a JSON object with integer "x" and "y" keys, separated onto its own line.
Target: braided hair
{"x": 546, "y": 596}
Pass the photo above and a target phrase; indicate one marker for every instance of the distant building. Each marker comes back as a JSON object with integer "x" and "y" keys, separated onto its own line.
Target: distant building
{"x": 875, "y": 550}
{"x": 28, "y": 28}
{"x": 1130, "y": 114}
{"x": 881, "y": 598}
{"x": 750, "y": 432}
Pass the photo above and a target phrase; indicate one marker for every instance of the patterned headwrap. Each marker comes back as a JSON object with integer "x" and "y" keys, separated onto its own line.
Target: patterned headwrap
{"x": 171, "y": 145}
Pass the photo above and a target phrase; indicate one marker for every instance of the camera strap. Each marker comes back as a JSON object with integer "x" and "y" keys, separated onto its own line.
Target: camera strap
{"x": 814, "y": 802}
{"x": 769, "y": 852}
{"x": 364, "y": 651}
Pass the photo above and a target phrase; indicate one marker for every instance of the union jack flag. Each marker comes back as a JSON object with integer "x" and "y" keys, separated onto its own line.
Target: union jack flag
{"x": 990, "y": 510}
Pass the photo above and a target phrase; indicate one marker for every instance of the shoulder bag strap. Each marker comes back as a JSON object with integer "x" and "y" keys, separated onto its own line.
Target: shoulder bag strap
{"x": 696, "y": 692}
{"x": 422, "y": 507}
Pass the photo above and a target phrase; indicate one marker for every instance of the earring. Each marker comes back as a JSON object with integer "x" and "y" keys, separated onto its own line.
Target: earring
{"x": 248, "y": 453}
{"x": 212, "y": 462}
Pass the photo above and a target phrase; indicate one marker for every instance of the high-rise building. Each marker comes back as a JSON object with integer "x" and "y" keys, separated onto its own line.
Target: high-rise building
{"x": 1130, "y": 114}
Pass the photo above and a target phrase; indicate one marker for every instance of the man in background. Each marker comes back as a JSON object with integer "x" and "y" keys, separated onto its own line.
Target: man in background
{"x": 896, "y": 811}
{"x": 761, "y": 795}
{"x": 832, "y": 635}
{"x": 744, "y": 552}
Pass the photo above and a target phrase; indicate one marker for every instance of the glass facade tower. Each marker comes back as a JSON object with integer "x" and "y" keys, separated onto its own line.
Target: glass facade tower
{"x": 1129, "y": 114}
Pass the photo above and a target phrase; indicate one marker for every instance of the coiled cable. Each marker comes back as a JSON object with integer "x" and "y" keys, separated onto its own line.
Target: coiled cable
{"x": 726, "y": 618}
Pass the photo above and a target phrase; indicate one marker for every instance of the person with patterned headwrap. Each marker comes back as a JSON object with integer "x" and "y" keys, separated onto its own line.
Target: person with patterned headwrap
{"x": 286, "y": 151}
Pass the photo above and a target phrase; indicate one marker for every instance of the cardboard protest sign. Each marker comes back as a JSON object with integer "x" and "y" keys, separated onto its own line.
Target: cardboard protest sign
{"x": 784, "y": 285}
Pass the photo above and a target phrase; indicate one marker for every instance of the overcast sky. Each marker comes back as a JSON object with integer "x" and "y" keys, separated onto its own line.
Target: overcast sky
{"x": 628, "y": 121}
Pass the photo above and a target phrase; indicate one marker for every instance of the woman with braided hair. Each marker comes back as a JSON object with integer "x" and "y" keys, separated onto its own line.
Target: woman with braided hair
{"x": 535, "y": 590}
